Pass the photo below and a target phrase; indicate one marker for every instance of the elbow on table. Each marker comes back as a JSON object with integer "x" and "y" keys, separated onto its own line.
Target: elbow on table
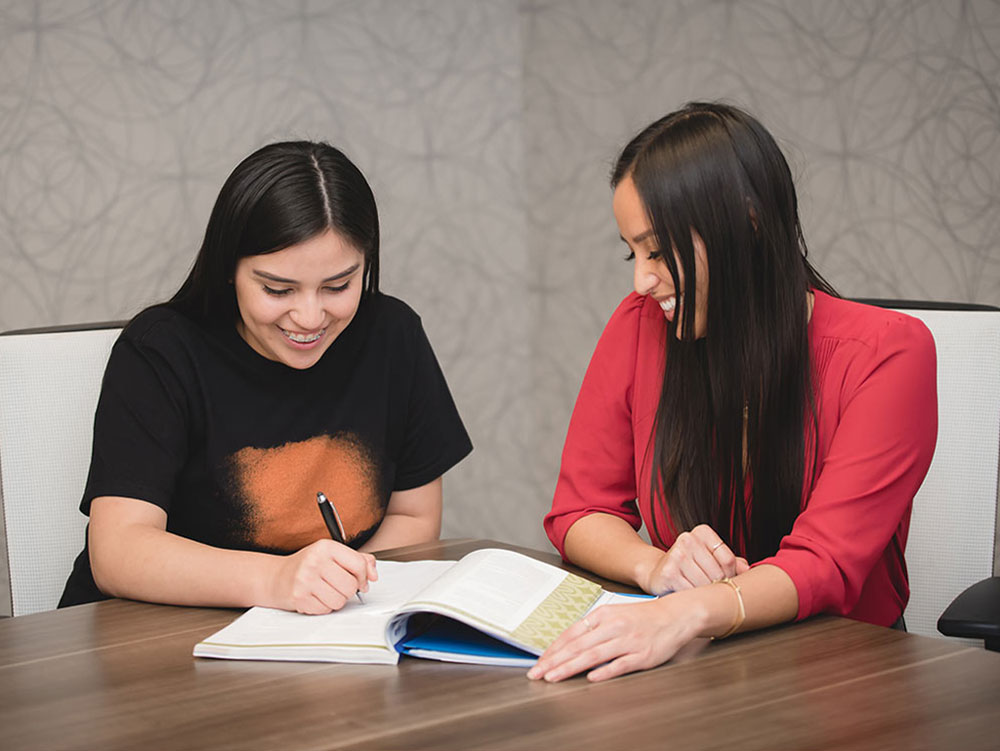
{"x": 113, "y": 562}
{"x": 120, "y": 537}
{"x": 105, "y": 567}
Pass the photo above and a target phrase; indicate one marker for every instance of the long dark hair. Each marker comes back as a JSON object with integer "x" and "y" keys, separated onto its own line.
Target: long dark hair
{"x": 715, "y": 170}
{"x": 282, "y": 194}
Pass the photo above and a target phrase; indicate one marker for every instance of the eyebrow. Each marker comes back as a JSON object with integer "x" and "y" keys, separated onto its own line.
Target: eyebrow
{"x": 640, "y": 238}
{"x": 282, "y": 280}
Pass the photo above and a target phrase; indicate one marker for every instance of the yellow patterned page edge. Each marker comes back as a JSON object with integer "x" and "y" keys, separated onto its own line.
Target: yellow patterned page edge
{"x": 561, "y": 609}
{"x": 573, "y": 597}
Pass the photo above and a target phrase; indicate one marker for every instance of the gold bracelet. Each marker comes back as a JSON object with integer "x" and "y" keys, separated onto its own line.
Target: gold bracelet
{"x": 741, "y": 614}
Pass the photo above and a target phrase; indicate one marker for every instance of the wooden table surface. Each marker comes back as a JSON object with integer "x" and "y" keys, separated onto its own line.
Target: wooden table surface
{"x": 120, "y": 675}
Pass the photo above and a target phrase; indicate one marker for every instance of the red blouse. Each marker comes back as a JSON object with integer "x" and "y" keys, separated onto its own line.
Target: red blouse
{"x": 877, "y": 426}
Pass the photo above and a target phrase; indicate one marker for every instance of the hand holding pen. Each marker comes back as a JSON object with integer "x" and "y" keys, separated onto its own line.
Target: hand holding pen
{"x": 321, "y": 577}
{"x": 334, "y": 525}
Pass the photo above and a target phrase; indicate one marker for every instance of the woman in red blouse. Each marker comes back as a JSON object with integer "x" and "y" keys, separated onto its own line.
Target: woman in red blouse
{"x": 770, "y": 435}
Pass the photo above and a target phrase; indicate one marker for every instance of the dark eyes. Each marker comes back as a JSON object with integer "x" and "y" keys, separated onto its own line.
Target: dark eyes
{"x": 288, "y": 290}
{"x": 652, "y": 256}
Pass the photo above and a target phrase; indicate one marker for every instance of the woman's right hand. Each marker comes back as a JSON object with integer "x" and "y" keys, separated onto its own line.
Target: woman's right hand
{"x": 321, "y": 577}
{"x": 696, "y": 558}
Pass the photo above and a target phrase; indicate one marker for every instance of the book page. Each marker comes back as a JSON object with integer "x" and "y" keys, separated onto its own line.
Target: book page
{"x": 619, "y": 598}
{"x": 356, "y": 629}
{"x": 509, "y": 595}
{"x": 397, "y": 582}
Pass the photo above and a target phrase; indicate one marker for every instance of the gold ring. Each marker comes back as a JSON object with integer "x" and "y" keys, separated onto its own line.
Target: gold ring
{"x": 717, "y": 545}
{"x": 588, "y": 624}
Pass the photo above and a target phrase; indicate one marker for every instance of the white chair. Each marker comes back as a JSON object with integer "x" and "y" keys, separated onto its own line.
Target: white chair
{"x": 50, "y": 380}
{"x": 953, "y": 529}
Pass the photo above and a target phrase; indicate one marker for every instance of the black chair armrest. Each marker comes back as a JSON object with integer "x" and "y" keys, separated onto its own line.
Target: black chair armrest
{"x": 975, "y": 614}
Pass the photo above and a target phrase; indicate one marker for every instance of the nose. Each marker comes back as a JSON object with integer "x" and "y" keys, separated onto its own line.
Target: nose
{"x": 645, "y": 280}
{"x": 308, "y": 313}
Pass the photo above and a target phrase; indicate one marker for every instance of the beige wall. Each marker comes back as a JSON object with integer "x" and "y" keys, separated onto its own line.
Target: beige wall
{"x": 487, "y": 130}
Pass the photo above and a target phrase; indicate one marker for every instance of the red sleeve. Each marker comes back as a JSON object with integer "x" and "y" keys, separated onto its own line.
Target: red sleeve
{"x": 597, "y": 472}
{"x": 880, "y": 451}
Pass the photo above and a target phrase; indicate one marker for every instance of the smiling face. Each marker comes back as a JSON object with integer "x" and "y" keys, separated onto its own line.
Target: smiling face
{"x": 652, "y": 277}
{"x": 295, "y": 302}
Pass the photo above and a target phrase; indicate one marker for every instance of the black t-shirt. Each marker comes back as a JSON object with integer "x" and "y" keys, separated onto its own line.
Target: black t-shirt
{"x": 234, "y": 447}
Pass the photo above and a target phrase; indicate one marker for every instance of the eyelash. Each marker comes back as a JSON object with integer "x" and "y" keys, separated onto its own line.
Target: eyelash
{"x": 282, "y": 292}
{"x": 652, "y": 256}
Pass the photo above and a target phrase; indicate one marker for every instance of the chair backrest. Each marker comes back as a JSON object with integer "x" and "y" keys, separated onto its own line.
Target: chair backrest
{"x": 953, "y": 529}
{"x": 50, "y": 380}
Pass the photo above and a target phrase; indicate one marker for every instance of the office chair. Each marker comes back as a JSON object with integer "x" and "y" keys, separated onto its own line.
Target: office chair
{"x": 50, "y": 380}
{"x": 951, "y": 551}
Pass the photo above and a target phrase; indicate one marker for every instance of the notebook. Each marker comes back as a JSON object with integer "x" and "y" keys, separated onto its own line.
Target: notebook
{"x": 492, "y": 607}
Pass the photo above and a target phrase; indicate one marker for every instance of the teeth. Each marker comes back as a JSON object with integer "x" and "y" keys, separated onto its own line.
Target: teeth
{"x": 669, "y": 304}
{"x": 303, "y": 339}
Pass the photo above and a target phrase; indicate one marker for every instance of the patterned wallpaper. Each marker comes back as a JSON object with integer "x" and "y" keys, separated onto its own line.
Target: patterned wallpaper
{"x": 487, "y": 128}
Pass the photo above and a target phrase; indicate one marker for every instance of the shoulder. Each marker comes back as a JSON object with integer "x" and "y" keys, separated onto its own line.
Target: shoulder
{"x": 868, "y": 335}
{"x": 633, "y": 308}
{"x": 386, "y": 332}
{"x": 391, "y": 312}
{"x": 868, "y": 325}
{"x": 633, "y": 313}
{"x": 161, "y": 327}
{"x": 636, "y": 323}
{"x": 165, "y": 340}
{"x": 390, "y": 323}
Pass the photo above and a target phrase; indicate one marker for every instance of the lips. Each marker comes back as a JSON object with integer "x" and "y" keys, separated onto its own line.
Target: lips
{"x": 303, "y": 338}
{"x": 668, "y": 306}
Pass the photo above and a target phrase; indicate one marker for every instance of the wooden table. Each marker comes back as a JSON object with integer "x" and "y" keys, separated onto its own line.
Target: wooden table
{"x": 120, "y": 675}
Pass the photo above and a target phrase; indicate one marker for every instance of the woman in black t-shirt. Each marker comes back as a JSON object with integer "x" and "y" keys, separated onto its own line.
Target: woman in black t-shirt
{"x": 278, "y": 371}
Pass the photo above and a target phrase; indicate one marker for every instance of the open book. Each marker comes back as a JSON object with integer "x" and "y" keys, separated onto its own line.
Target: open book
{"x": 493, "y": 607}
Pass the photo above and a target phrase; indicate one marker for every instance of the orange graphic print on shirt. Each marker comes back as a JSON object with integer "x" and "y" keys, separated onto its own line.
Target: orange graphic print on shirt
{"x": 279, "y": 486}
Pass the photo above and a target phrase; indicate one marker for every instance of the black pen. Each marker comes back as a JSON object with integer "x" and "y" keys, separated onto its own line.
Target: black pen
{"x": 334, "y": 525}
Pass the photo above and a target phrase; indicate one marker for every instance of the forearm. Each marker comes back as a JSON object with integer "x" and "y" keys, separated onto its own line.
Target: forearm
{"x": 769, "y": 598}
{"x": 608, "y": 546}
{"x": 144, "y": 563}
{"x": 397, "y": 530}
{"x": 618, "y": 639}
{"x": 412, "y": 516}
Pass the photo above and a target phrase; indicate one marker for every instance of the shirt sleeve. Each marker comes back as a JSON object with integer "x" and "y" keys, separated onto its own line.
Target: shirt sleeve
{"x": 597, "y": 473}
{"x": 878, "y": 457}
{"x": 434, "y": 438}
{"x": 140, "y": 427}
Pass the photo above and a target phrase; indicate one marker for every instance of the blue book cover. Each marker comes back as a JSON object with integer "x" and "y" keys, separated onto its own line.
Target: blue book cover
{"x": 451, "y": 641}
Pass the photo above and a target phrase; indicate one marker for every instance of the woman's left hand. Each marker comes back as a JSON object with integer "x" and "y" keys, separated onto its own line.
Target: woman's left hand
{"x": 696, "y": 558}
{"x": 620, "y": 639}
